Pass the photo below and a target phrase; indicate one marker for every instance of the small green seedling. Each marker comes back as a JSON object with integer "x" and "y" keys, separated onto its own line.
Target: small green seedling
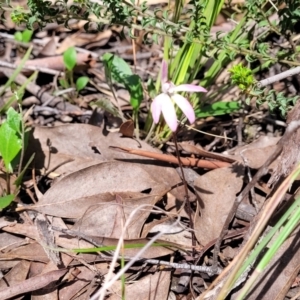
{"x": 10, "y": 147}
{"x": 81, "y": 83}
{"x": 242, "y": 77}
{"x": 70, "y": 60}
{"x": 24, "y": 36}
{"x": 10, "y": 138}
{"x": 116, "y": 69}
{"x": 13, "y": 141}
{"x": 70, "y": 57}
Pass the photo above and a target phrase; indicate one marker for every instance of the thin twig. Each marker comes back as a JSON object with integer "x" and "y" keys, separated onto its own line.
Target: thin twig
{"x": 204, "y": 269}
{"x": 192, "y": 162}
{"x": 32, "y": 68}
{"x": 278, "y": 77}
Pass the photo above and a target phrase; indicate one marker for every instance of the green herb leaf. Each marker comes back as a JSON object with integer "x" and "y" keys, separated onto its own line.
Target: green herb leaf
{"x": 70, "y": 57}
{"x": 217, "y": 109}
{"x": 6, "y": 200}
{"x": 117, "y": 69}
{"x": 134, "y": 86}
{"x": 31, "y": 21}
{"x": 10, "y": 145}
{"x": 27, "y": 35}
{"x": 81, "y": 83}
{"x": 18, "y": 36}
{"x": 14, "y": 120}
{"x": 116, "y": 66}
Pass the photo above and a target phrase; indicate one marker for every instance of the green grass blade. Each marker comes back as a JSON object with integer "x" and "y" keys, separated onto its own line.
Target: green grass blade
{"x": 293, "y": 221}
{"x": 264, "y": 242}
{"x": 17, "y": 71}
{"x": 20, "y": 91}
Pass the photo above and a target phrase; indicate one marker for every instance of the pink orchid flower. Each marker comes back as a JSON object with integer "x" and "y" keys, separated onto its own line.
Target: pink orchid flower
{"x": 164, "y": 102}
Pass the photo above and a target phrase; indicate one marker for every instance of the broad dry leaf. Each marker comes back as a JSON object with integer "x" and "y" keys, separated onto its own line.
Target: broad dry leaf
{"x": 217, "y": 190}
{"x": 255, "y": 154}
{"x": 3, "y": 183}
{"x": 151, "y": 287}
{"x": 108, "y": 219}
{"x": 31, "y": 284}
{"x": 182, "y": 239}
{"x": 24, "y": 229}
{"x": 4, "y": 222}
{"x": 32, "y": 251}
{"x": 82, "y": 280}
{"x": 49, "y": 48}
{"x": 77, "y": 146}
{"x": 16, "y": 275}
{"x": 164, "y": 249}
{"x": 71, "y": 196}
{"x": 49, "y": 292}
{"x": 52, "y": 293}
{"x": 36, "y": 268}
{"x": 83, "y": 38}
{"x": 9, "y": 241}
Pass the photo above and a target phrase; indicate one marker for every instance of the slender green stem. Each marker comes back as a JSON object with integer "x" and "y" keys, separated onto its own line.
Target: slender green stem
{"x": 23, "y": 141}
{"x": 17, "y": 70}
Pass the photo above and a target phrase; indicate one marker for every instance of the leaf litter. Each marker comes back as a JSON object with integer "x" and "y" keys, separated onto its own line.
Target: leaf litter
{"x": 86, "y": 192}
{"x": 96, "y": 192}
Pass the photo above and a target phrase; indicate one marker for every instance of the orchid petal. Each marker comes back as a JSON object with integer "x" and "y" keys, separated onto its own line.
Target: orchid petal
{"x": 164, "y": 72}
{"x": 188, "y": 88}
{"x": 156, "y": 106}
{"x": 185, "y": 106}
{"x": 169, "y": 114}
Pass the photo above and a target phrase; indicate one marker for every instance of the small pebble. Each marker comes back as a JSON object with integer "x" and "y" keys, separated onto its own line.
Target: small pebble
{"x": 65, "y": 118}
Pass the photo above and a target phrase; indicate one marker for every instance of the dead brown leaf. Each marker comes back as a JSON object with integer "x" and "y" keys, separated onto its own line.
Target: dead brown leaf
{"x": 31, "y": 284}
{"x": 83, "y": 60}
{"x": 16, "y": 275}
{"x": 256, "y": 153}
{"x": 33, "y": 251}
{"x": 71, "y": 196}
{"x": 108, "y": 220}
{"x": 80, "y": 282}
{"x": 83, "y": 38}
{"x": 217, "y": 190}
{"x": 49, "y": 48}
{"x": 151, "y": 287}
{"x": 86, "y": 145}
